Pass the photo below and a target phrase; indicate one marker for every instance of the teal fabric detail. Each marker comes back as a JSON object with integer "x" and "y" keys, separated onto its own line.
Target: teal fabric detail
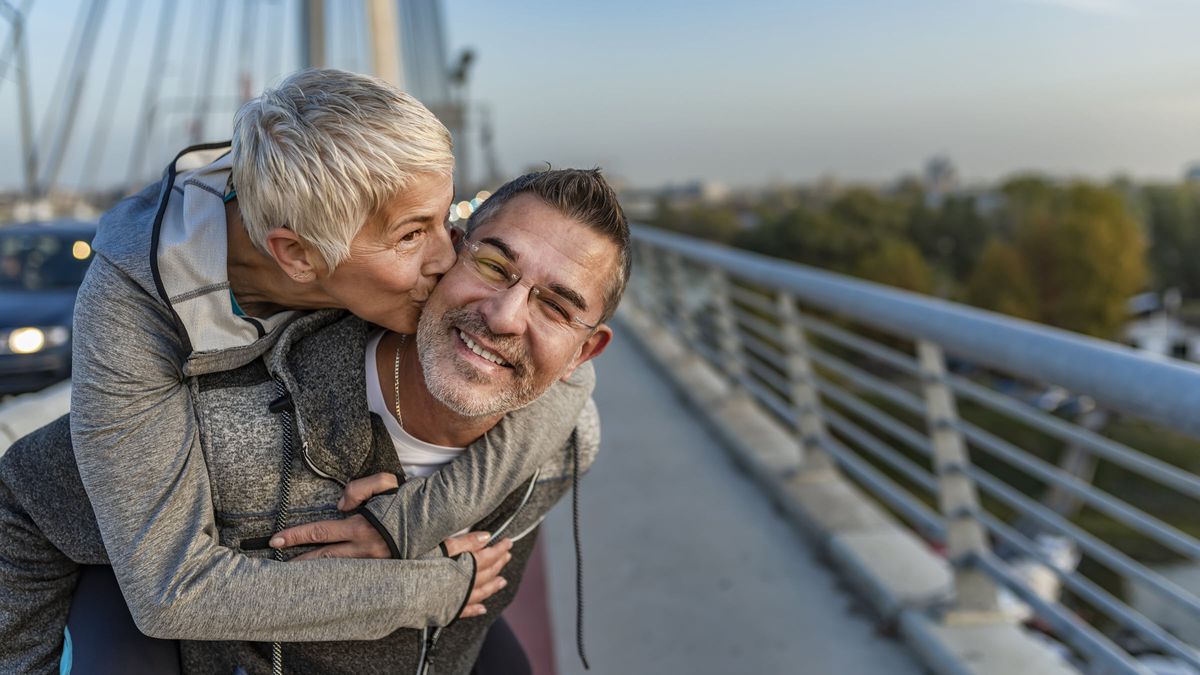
{"x": 232, "y": 194}
{"x": 64, "y": 666}
{"x": 237, "y": 310}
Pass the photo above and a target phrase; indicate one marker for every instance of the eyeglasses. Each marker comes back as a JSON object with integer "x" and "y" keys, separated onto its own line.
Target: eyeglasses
{"x": 499, "y": 273}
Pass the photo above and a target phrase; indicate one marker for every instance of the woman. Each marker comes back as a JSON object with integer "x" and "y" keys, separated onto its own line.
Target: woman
{"x": 333, "y": 194}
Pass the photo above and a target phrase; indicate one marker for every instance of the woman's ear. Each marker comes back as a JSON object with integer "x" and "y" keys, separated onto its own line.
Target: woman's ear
{"x": 292, "y": 255}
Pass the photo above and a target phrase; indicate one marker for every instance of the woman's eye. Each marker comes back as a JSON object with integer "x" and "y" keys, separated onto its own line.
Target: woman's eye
{"x": 409, "y": 237}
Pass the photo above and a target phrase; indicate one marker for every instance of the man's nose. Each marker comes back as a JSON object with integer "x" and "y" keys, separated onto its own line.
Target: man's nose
{"x": 507, "y": 312}
{"x": 440, "y": 255}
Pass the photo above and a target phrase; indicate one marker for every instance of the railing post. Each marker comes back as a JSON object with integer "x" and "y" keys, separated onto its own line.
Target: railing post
{"x": 647, "y": 282}
{"x": 802, "y": 380}
{"x": 728, "y": 340}
{"x": 975, "y": 591}
{"x": 687, "y": 325}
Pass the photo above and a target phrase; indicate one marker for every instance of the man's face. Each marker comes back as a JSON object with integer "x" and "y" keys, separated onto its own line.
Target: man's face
{"x": 467, "y": 326}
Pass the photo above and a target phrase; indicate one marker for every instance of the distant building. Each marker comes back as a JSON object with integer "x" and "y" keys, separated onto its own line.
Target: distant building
{"x": 941, "y": 180}
{"x": 640, "y": 204}
{"x": 1192, "y": 174}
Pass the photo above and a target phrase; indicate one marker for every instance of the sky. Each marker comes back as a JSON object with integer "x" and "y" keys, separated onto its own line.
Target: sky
{"x": 747, "y": 93}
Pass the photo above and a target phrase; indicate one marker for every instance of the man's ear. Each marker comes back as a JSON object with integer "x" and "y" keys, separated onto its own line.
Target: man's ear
{"x": 591, "y": 348}
{"x": 293, "y": 255}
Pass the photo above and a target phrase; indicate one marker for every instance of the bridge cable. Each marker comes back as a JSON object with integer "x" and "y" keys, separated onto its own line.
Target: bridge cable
{"x": 75, "y": 86}
{"x": 247, "y": 50}
{"x": 112, "y": 87}
{"x": 208, "y": 68}
{"x": 158, "y": 64}
{"x": 24, "y": 98}
{"x": 275, "y": 45}
{"x": 9, "y": 53}
{"x": 50, "y": 119}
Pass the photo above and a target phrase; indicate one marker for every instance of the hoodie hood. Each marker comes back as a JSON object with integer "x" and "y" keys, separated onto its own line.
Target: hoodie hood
{"x": 171, "y": 240}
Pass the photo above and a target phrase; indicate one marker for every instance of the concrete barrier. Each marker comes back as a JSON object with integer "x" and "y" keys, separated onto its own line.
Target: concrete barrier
{"x": 22, "y": 414}
{"x": 909, "y": 587}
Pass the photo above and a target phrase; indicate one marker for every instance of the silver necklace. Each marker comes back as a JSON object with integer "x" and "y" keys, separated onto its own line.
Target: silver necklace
{"x": 396, "y": 381}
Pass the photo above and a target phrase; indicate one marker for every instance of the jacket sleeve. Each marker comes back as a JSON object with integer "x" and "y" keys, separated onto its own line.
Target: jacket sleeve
{"x": 556, "y": 477}
{"x": 424, "y": 512}
{"x": 36, "y": 584}
{"x": 137, "y": 446}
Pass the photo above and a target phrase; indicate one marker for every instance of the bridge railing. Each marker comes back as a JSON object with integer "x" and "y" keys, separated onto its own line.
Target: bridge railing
{"x": 860, "y": 373}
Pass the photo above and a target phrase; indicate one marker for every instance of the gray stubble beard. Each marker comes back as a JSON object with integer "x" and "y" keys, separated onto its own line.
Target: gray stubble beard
{"x": 440, "y": 366}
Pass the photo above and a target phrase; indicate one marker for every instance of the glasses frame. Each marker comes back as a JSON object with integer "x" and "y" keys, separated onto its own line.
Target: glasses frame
{"x": 469, "y": 251}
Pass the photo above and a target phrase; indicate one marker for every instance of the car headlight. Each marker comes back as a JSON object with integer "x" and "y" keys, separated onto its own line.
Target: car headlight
{"x": 32, "y": 339}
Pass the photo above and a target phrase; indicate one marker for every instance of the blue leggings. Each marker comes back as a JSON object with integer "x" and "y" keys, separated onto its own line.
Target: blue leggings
{"x": 101, "y": 636}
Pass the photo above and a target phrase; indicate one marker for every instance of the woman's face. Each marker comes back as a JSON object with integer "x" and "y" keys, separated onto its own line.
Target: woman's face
{"x": 397, "y": 257}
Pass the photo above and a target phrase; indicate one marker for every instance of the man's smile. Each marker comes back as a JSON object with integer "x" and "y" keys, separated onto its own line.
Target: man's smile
{"x": 479, "y": 350}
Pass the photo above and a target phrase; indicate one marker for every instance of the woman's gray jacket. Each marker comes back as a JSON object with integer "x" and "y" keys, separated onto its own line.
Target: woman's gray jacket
{"x": 153, "y": 328}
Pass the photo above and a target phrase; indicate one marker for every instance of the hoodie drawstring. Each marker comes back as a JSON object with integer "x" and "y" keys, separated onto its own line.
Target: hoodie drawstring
{"x": 578, "y": 556}
{"x": 283, "y": 406}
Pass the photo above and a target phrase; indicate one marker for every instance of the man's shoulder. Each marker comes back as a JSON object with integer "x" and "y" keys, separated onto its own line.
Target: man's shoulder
{"x": 580, "y": 450}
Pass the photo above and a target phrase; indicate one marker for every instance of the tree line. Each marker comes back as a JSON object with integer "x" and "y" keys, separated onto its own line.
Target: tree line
{"x": 1067, "y": 254}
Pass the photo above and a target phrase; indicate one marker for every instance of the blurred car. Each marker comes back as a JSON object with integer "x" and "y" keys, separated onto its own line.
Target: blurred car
{"x": 41, "y": 268}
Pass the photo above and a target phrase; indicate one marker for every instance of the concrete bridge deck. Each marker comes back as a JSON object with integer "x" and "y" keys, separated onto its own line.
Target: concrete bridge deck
{"x": 687, "y": 568}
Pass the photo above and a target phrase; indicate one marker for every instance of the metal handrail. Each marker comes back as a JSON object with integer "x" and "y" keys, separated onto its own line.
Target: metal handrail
{"x": 1117, "y": 376}
{"x": 758, "y": 305}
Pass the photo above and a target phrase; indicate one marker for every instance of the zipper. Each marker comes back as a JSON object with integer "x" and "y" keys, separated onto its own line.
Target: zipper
{"x": 429, "y": 638}
{"x": 427, "y": 653}
{"x": 313, "y": 467}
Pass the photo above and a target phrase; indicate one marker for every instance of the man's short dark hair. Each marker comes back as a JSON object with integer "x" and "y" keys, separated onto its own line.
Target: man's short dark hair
{"x": 581, "y": 195}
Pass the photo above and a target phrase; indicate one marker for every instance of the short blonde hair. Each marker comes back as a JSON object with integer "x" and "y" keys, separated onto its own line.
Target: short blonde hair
{"x": 325, "y": 150}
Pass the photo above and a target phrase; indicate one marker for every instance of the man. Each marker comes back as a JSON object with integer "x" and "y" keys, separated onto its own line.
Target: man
{"x": 541, "y": 270}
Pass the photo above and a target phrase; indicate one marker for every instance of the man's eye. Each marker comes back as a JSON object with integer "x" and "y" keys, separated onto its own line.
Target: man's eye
{"x": 555, "y": 308}
{"x": 493, "y": 268}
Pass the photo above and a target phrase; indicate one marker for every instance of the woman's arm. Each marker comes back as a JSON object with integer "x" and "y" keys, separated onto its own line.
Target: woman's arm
{"x": 136, "y": 443}
{"x": 425, "y": 512}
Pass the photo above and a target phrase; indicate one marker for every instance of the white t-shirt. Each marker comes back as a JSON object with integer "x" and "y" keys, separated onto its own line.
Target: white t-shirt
{"x": 419, "y": 459}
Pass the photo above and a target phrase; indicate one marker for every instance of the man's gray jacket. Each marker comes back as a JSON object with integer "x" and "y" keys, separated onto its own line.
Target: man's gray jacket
{"x": 242, "y": 417}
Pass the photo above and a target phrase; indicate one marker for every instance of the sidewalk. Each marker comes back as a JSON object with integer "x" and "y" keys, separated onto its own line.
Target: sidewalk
{"x": 687, "y": 569}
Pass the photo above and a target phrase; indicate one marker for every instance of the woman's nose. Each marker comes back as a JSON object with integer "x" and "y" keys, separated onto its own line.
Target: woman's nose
{"x": 440, "y": 255}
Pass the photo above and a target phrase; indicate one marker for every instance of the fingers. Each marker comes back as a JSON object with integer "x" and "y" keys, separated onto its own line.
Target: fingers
{"x": 345, "y": 550}
{"x": 487, "y": 590}
{"x": 471, "y": 541}
{"x": 354, "y": 530}
{"x": 488, "y": 557}
{"x": 473, "y": 610}
{"x": 358, "y": 491}
{"x": 488, "y": 564}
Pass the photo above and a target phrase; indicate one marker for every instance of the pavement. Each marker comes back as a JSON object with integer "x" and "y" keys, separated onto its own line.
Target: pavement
{"x": 687, "y": 568}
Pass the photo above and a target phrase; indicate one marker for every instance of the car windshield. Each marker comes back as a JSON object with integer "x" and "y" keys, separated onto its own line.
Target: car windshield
{"x": 42, "y": 261}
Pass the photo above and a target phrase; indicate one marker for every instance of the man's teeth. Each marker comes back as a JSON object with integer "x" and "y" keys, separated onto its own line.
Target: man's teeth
{"x": 473, "y": 346}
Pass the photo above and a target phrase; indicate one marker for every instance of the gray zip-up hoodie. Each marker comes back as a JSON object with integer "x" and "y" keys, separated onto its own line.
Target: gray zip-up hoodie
{"x": 48, "y": 528}
{"x": 152, "y": 315}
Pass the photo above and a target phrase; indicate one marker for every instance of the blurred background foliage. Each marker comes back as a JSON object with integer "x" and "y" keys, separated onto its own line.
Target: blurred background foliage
{"x": 1065, "y": 253}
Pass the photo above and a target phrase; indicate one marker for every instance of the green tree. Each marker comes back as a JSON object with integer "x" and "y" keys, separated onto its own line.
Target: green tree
{"x": 1172, "y": 216}
{"x": 897, "y": 262}
{"x": 1000, "y": 282}
{"x": 1080, "y": 249}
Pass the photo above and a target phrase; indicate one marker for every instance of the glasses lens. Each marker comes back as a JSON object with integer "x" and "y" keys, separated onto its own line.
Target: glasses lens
{"x": 551, "y": 306}
{"x": 492, "y": 266}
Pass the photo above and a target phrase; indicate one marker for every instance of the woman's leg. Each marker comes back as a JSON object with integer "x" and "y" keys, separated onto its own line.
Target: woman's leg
{"x": 104, "y": 639}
